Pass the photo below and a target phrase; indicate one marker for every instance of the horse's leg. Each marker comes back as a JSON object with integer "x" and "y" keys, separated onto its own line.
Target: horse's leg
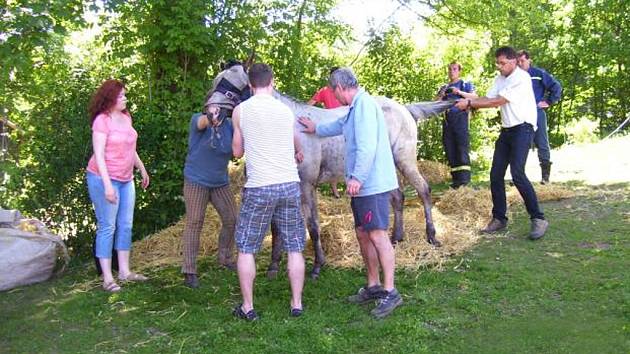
{"x": 311, "y": 219}
{"x": 276, "y": 253}
{"x": 397, "y": 199}
{"x": 335, "y": 190}
{"x": 413, "y": 176}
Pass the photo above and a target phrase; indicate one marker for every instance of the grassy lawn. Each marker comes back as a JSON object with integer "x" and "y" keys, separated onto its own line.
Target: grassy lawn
{"x": 568, "y": 293}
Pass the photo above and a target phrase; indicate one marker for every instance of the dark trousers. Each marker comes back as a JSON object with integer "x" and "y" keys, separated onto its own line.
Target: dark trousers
{"x": 512, "y": 148}
{"x": 456, "y": 141}
{"x": 541, "y": 138}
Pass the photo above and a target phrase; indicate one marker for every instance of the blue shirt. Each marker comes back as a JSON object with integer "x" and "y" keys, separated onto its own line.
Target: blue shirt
{"x": 546, "y": 87}
{"x": 368, "y": 152}
{"x": 462, "y": 86}
{"x": 209, "y": 152}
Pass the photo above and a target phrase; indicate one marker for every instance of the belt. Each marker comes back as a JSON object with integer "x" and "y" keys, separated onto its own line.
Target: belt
{"x": 516, "y": 127}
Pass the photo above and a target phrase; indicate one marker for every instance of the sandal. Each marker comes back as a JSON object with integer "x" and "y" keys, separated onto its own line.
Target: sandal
{"x": 133, "y": 277}
{"x": 111, "y": 287}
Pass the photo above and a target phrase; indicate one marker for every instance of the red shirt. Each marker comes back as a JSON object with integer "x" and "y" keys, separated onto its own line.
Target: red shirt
{"x": 326, "y": 96}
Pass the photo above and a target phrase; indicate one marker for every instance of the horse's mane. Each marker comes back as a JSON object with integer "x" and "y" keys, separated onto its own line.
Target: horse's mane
{"x": 301, "y": 109}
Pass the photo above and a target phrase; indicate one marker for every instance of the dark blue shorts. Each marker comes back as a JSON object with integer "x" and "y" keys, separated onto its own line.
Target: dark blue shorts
{"x": 371, "y": 212}
{"x": 278, "y": 202}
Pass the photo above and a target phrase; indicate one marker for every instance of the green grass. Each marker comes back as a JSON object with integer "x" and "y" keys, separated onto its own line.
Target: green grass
{"x": 568, "y": 293}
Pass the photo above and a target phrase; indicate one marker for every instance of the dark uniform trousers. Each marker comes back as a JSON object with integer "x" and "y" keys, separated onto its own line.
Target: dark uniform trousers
{"x": 456, "y": 140}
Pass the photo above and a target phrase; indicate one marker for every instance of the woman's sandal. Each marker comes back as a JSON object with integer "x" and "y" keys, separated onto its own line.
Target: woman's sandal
{"x": 133, "y": 277}
{"x": 111, "y": 287}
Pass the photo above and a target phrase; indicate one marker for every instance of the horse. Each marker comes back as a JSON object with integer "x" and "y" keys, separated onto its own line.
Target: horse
{"x": 324, "y": 162}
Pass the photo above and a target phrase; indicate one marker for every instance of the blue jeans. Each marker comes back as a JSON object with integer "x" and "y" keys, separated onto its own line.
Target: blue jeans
{"x": 541, "y": 139}
{"x": 113, "y": 221}
{"x": 511, "y": 148}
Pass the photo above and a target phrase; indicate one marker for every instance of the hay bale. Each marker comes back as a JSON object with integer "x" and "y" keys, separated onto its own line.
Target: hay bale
{"x": 434, "y": 172}
{"x": 457, "y": 217}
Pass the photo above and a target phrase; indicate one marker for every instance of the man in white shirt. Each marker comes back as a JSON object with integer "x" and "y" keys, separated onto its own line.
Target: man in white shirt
{"x": 264, "y": 133}
{"x": 512, "y": 92}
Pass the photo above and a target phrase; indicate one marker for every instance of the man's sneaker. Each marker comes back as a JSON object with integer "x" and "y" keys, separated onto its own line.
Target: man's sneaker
{"x": 387, "y": 304}
{"x": 538, "y": 228}
{"x": 249, "y": 316}
{"x": 365, "y": 294}
{"x": 295, "y": 312}
{"x": 494, "y": 225}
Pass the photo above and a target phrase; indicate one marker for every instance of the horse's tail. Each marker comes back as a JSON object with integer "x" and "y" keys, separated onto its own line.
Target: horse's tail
{"x": 424, "y": 110}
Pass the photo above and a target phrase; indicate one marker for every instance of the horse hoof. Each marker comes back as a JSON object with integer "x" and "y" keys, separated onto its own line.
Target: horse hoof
{"x": 272, "y": 274}
{"x": 434, "y": 242}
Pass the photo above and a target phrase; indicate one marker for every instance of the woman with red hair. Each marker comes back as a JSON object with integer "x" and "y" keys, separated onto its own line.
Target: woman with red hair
{"x": 110, "y": 180}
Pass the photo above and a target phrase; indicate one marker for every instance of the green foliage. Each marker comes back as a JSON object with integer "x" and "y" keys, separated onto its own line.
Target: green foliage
{"x": 166, "y": 53}
{"x": 396, "y": 68}
{"x": 583, "y": 131}
{"x": 577, "y": 41}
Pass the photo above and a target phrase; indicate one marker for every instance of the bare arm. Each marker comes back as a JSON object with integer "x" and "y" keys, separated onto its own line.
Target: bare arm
{"x": 299, "y": 155}
{"x": 143, "y": 171}
{"x": 469, "y": 95}
{"x": 98, "y": 145}
{"x": 237, "y": 138}
{"x": 481, "y": 102}
{"x": 204, "y": 121}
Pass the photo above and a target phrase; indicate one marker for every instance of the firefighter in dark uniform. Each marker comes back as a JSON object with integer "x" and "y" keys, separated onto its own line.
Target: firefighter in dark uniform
{"x": 455, "y": 137}
{"x": 547, "y": 91}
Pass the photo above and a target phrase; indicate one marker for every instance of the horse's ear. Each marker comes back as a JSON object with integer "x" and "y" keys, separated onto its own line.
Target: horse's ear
{"x": 250, "y": 60}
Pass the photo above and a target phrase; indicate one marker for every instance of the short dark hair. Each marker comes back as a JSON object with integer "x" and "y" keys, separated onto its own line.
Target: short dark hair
{"x": 333, "y": 69}
{"x": 522, "y": 53}
{"x": 260, "y": 75}
{"x": 456, "y": 63}
{"x": 507, "y": 52}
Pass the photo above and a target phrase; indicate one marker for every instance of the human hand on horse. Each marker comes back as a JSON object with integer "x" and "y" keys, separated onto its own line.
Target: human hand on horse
{"x": 299, "y": 157}
{"x": 213, "y": 115}
{"x": 308, "y": 124}
{"x": 353, "y": 186}
{"x": 463, "y": 104}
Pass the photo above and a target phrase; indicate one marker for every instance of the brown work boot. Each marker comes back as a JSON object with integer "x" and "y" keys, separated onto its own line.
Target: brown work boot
{"x": 538, "y": 229}
{"x": 494, "y": 225}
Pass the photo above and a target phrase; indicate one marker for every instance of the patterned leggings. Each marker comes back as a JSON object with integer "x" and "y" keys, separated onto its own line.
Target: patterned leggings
{"x": 196, "y": 198}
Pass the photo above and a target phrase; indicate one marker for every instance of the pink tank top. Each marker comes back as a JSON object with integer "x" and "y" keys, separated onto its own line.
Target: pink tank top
{"x": 120, "y": 148}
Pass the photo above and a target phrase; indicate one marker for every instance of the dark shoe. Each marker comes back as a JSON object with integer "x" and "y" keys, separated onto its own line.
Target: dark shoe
{"x": 494, "y": 225}
{"x": 229, "y": 266}
{"x": 538, "y": 228}
{"x": 365, "y": 294}
{"x": 249, "y": 316}
{"x": 296, "y": 312}
{"x": 191, "y": 281}
{"x": 387, "y": 304}
{"x": 545, "y": 168}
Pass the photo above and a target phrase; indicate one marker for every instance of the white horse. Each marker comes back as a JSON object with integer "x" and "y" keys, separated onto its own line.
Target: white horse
{"x": 324, "y": 162}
